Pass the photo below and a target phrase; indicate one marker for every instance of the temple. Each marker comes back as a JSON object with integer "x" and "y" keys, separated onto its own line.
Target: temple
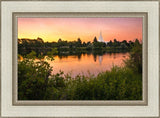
{"x": 101, "y": 38}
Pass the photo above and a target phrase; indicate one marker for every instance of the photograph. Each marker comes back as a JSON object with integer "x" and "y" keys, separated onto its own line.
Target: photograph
{"x": 80, "y": 58}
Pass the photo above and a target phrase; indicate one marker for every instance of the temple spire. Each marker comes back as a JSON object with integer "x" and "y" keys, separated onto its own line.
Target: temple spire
{"x": 100, "y": 37}
{"x": 100, "y": 33}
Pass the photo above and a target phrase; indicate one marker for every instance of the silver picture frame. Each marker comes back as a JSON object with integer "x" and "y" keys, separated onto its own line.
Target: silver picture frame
{"x": 78, "y": 108}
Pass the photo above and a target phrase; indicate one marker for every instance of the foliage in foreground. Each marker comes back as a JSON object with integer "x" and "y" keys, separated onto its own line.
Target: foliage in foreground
{"x": 117, "y": 84}
{"x": 33, "y": 79}
{"x": 121, "y": 83}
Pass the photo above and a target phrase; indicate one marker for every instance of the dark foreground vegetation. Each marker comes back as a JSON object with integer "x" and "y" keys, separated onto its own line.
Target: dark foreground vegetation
{"x": 35, "y": 81}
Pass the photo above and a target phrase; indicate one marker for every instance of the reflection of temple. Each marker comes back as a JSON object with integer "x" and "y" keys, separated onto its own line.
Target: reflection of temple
{"x": 100, "y": 59}
{"x": 95, "y": 57}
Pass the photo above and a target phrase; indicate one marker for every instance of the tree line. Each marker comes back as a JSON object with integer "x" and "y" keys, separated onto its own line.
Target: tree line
{"x": 25, "y": 46}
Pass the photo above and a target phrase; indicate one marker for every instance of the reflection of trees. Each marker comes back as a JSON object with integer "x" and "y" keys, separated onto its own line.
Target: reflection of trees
{"x": 114, "y": 55}
{"x": 95, "y": 57}
{"x": 79, "y": 56}
{"x": 100, "y": 57}
{"x": 60, "y": 57}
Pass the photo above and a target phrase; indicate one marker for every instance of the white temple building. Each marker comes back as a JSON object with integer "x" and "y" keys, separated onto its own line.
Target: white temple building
{"x": 101, "y": 38}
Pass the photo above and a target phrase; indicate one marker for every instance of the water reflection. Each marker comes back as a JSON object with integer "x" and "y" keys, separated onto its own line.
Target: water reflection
{"x": 86, "y": 63}
{"x": 100, "y": 59}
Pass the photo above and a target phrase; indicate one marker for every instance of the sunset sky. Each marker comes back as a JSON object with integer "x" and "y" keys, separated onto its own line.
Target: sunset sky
{"x": 51, "y": 29}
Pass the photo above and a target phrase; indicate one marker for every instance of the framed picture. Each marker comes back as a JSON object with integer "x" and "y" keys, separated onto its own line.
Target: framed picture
{"x": 80, "y": 59}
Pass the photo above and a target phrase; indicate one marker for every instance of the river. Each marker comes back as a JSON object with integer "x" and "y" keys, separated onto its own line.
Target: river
{"x": 86, "y": 64}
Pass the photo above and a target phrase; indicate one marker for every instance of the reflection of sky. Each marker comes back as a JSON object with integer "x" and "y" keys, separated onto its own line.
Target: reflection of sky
{"x": 51, "y": 29}
{"x": 87, "y": 63}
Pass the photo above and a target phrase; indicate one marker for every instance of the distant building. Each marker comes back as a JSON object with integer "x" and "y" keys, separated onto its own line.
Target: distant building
{"x": 101, "y": 38}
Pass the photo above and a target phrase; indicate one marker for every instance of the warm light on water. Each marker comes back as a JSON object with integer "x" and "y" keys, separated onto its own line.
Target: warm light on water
{"x": 87, "y": 63}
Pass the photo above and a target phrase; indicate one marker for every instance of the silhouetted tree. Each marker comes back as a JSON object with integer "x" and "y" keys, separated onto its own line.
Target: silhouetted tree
{"x": 110, "y": 43}
{"x": 137, "y": 42}
{"x": 59, "y": 40}
{"x": 124, "y": 41}
{"x": 84, "y": 44}
{"x": 79, "y": 42}
{"x": 95, "y": 39}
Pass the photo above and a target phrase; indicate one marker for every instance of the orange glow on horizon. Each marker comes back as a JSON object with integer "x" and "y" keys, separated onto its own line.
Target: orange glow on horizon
{"x": 70, "y": 29}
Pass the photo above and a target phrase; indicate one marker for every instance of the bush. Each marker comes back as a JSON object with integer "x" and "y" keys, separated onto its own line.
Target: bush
{"x": 118, "y": 84}
{"x": 32, "y": 79}
{"x": 135, "y": 58}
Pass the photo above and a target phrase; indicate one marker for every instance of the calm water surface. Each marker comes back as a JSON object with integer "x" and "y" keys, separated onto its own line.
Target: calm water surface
{"x": 87, "y": 64}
